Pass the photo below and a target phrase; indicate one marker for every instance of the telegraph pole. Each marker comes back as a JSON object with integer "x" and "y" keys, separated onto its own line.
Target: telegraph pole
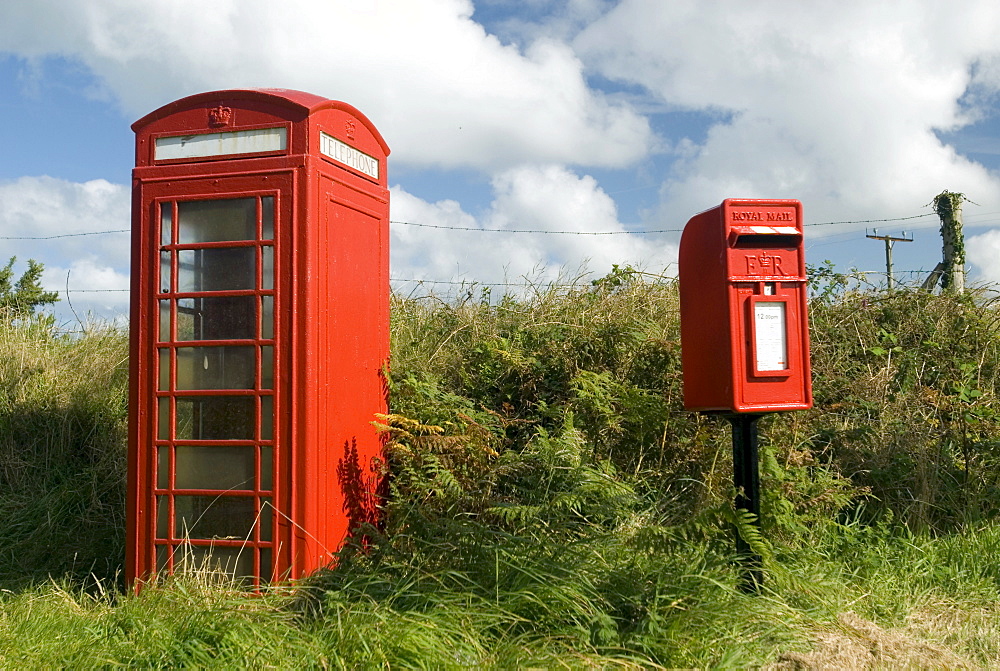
{"x": 889, "y": 240}
{"x": 948, "y": 206}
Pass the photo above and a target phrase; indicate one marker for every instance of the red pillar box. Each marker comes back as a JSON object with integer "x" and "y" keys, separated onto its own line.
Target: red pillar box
{"x": 744, "y": 327}
{"x": 259, "y": 333}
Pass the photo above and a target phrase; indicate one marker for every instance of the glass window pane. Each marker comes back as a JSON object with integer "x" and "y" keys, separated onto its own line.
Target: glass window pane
{"x": 266, "y": 568}
{"x": 217, "y": 318}
{"x": 164, "y": 334}
{"x": 235, "y": 562}
{"x": 166, "y": 230}
{"x": 162, "y": 558}
{"x": 215, "y": 418}
{"x": 164, "y": 366}
{"x": 217, "y": 220}
{"x": 214, "y": 517}
{"x": 266, "y": 418}
{"x": 266, "y": 518}
{"x": 162, "y": 467}
{"x": 162, "y": 516}
{"x": 163, "y": 419}
{"x": 267, "y": 317}
{"x": 266, "y": 466}
{"x": 165, "y": 272}
{"x": 229, "y": 367}
{"x": 185, "y": 319}
{"x": 267, "y": 367}
{"x": 229, "y": 467}
{"x": 216, "y": 269}
{"x": 267, "y": 281}
{"x": 267, "y": 217}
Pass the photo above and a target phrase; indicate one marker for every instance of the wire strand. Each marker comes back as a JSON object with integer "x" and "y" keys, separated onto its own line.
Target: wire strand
{"x": 522, "y": 230}
{"x": 652, "y": 231}
{"x": 62, "y": 235}
{"x": 637, "y": 232}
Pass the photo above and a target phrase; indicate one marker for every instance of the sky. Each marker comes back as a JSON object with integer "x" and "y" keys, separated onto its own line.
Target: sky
{"x": 567, "y": 116}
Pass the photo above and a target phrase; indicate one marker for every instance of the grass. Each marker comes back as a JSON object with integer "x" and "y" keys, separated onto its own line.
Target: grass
{"x": 62, "y": 458}
{"x": 558, "y": 612}
{"x": 552, "y": 505}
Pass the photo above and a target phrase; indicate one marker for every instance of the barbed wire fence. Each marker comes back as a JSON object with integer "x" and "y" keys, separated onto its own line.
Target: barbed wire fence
{"x": 868, "y": 279}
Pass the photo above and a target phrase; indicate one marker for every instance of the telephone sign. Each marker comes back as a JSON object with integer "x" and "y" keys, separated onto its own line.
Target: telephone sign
{"x": 259, "y": 333}
{"x": 744, "y": 329}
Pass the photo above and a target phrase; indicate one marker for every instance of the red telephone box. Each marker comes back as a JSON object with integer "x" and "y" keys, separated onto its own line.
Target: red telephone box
{"x": 259, "y": 333}
{"x": 744, "y": 328}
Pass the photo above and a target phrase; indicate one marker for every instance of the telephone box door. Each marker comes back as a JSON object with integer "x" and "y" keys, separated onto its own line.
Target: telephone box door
{"x": 218, "y": 379}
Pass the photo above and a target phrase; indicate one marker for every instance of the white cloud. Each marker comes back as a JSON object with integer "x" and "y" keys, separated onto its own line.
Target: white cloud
{"x": 836, "y": 105}
{"x": 95, "y": 291}
{"x": 983, "y": 252}
{"x": 441, "y": 90}
{"x": 44, "y": 207}
{"x": 527, "y": 198}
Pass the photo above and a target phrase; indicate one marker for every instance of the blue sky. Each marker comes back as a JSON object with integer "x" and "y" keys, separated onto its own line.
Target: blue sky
{"x": 559, "y": 115}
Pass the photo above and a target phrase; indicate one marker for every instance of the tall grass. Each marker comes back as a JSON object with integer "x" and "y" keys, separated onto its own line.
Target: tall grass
{"x": 62, "y": 458}
{"x": 562, "y": 610}
{"x": 551, "y": 503}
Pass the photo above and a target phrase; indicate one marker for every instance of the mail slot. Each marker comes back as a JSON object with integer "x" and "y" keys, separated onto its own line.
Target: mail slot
{"x": 744, "y": 325}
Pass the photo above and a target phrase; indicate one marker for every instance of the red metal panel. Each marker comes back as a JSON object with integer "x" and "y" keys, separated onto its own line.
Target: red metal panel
{"x": 707, "y": 365}
{"x": 311, "y": 382}
{"x": 744, "y": 325}
{"x": 356, "y": 443}
{"x": 136, "y": 551}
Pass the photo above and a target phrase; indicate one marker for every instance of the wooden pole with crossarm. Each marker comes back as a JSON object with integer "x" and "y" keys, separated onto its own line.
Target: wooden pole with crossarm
{"x": 889, "y": 240}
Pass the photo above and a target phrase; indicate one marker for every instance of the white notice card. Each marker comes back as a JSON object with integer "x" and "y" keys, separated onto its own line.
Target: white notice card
{"x": 771, "y": 344}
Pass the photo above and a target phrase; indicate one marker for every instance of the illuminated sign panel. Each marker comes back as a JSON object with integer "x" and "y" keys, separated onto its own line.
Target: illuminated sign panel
{"x": 344, "y": 153}
{"x": 207, "y": 145}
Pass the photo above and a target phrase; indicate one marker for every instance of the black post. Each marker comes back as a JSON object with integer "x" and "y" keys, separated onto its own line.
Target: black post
{"x": 746, "y": 477}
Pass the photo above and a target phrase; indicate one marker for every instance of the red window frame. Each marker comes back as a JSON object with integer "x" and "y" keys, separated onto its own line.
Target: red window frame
{"x": 170, "y": 546}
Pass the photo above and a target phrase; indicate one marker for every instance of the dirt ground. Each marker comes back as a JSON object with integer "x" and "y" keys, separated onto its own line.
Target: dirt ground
{"x": 856, "y": 643}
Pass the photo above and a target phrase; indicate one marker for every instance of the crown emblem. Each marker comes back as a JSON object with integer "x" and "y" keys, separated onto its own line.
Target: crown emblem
{"x": 220, "y": 116}
{"x": 349, "y": 130}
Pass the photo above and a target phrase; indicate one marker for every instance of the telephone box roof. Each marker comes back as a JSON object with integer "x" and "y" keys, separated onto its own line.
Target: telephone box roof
{"x": 305, "y": 103}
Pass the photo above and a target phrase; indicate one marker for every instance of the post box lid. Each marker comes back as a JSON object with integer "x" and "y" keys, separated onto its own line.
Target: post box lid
{"x": 780, "y": 232}
{"x": 765, "y": 230}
